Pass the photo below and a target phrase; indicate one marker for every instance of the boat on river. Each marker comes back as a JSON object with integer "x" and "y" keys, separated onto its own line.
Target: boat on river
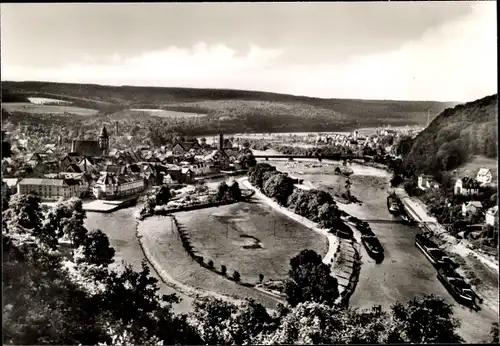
{"x": 393, "y": 205}
{"x": 433, "y": 253}
{"x": 373, "y": 247}
{"x": 458, "y": 288}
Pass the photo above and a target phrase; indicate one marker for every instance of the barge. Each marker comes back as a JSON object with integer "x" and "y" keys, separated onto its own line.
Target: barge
{"x": 433, "y": 253}
{"x": 458, "y": 288}
{"x": 373, "y": 247}
{"x": 393, "y": 205}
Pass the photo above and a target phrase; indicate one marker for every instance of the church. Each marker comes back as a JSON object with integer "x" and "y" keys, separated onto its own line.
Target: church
{"x": 92, "y": 148}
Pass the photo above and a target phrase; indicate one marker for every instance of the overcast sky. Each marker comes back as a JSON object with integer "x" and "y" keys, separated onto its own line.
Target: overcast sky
{"x": 416, "y": 51}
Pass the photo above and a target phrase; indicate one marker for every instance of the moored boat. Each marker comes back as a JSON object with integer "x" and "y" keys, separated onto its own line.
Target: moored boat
{"x": 373, "y": 247}
{"x": 393, "y": 205}
{"x": 457, "y": 286}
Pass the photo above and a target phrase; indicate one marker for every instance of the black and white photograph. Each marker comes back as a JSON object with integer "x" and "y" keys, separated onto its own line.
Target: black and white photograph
{"x": 267, "y": 173}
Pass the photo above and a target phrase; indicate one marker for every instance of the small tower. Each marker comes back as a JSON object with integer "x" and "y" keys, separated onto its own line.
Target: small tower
{"x": 104, "y": 142}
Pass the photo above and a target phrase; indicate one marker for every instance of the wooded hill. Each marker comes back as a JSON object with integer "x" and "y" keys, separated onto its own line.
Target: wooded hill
{"x": 454, "y": 137}
{"x": 236, "y": 110}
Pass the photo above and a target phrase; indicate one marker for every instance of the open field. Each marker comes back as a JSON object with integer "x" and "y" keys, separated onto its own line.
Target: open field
{"x": 251, "y": 238}
{"x": 27, "y": 107}
{"x": 167, "y": 114}
{"x": 44, "y": 100}
{"x": 472, "y": 167}
{"x": 166, "y": 250}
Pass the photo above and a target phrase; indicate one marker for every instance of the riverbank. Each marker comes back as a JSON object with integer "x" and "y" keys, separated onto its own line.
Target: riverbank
{"x": 479, "y": 269}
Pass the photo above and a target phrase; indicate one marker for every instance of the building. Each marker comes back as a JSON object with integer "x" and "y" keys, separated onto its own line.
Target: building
{"x": 427, "y": 182}
{"x": 11, "y": 184}
{"x": 113, "y": 186}
{"x": 484, "y": 176}
{"x": 92, "y": 148}
{"x": 184, "y": 148}
{"x": 51, "y": 189}
{"x": 492, "y": 216}
{"x": 471, "y": 208}
{"x": 466, "y": 186}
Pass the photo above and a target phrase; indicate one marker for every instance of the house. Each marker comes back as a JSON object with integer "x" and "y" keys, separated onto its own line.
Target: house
{"x": 427, "y": 182}
{"x": 484, "y": 176}
{"x": 492, "y": 216}
{"x": 11, "y": 184}
{"x": 70, "y": 158}
{"x": 73, "y": 168}
{"x": 51, "y": 189}
{"x": 471, "y": 208}
{"x": 112, "y": 186}
{"x": 466, "y": 186}
{"x": 184, "y": 148}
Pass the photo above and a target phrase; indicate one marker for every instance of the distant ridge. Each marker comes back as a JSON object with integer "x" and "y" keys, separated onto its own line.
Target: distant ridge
{"x": 237, "y": 110}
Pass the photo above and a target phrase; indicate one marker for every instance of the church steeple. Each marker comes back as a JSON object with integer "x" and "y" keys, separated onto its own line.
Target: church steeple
{"x": 104, "y": 142}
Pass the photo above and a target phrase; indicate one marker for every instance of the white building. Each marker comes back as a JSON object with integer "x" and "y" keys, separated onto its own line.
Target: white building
{"x": 466, "y": 186}
{"x": 112, "y": 186}
{"x": 484, "y": 176}
{"x": 427, "y": 182}
{"x": 51, "y": 189}
{"x": 492, "y": 216}
{"x": 471, "y": 208}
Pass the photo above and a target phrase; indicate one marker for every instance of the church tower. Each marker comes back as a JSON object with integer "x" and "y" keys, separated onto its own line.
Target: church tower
{"x": 104, "y": 142}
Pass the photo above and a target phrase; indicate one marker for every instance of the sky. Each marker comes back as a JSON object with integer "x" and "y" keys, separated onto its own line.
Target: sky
{"x": 442, "y": 51}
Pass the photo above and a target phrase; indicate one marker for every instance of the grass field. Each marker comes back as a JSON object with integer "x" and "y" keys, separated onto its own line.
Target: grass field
{"x": 472, "y": 167}
{"x": 168, "y": 114}
{"x": 27, "y": 107}
{"x": 251, "y": 238}
{"x": 166, "y": 249}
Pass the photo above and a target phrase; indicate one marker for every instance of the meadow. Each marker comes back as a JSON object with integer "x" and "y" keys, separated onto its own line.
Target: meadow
{"x": 167, "y": 113}
{"x": 27, "y": 107}
{"x": 251, "y": 238}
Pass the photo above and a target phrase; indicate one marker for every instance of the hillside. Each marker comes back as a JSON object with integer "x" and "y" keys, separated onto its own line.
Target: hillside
{"x": 456, "y": 138}
{"x": 236, "y": 110}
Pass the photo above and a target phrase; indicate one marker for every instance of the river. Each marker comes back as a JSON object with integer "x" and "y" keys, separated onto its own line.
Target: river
{"x": 404, "y": 272}
{"x": 120, "y": 227}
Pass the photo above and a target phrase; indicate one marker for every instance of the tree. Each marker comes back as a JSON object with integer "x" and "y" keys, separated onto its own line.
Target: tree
{"x": 494, "y": 334}
{"x": 261, "y": 277}
{"x": 310, "y": 280}
{"x": 97, "y": 250}
{"x": 235, "y": 191}
{"x": 426, "y": 319}
{"x": 236, "y": 276}
{"x": 210, "y": 319}
{"x": 315, "y": 323}
{"x": 222, "y": 190}
{"x": 223, "y": 269}
{"x": 210, "y": 264}
{"x": 279, "y": 186}
{"x": 163, "y": 195}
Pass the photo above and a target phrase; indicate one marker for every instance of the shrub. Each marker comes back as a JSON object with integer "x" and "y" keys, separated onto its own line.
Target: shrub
{"x": 223, "y": 269}
{"x": 210, "y": 264}
{"x": 261, "y": 277}
{"x": 236, "y": 276}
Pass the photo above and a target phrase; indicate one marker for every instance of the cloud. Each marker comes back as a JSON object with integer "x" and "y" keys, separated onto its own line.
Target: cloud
{"x": 456, "y": 61}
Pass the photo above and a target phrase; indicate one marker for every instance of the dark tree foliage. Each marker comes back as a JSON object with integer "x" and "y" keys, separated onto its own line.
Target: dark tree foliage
{"x": 310, "y": 280}
{"x": 97, "y": 249}
{"x": 453, "y": 137}
{"x": 425, "y": 319}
